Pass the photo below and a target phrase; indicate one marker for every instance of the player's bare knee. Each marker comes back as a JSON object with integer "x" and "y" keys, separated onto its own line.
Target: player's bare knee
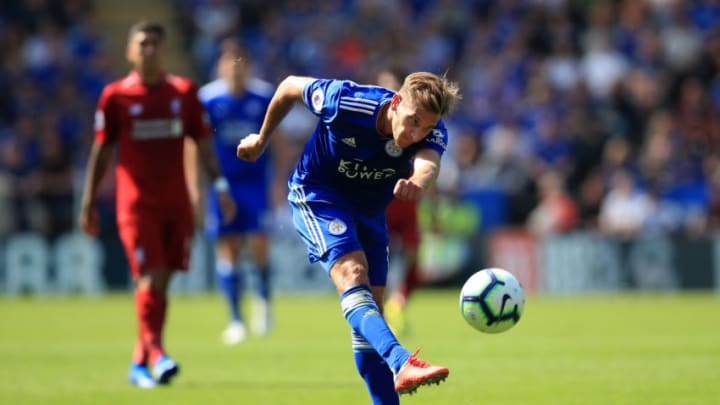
{"x": 355, "y": 273}
{"x": 347, "y": 273}
{"x": 156, "y": 280}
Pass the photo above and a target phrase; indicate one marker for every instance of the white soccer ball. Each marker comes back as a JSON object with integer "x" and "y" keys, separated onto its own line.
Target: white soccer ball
{"x": 492, "y": 300}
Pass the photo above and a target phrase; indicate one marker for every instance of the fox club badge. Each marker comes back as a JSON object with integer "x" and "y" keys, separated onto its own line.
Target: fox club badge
{"x": 337, "y": 227}
{"x": 393, "y": 149}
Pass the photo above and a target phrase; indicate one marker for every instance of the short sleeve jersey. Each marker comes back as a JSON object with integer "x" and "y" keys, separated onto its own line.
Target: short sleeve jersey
{"x": 347, "y": 160}
{"x": 149, "y": 123}
{"x": 232, "y": 118}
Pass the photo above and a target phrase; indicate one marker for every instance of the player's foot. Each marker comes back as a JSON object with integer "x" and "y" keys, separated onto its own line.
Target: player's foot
{"x": 165, "y": 369}
{"x": 140, "y": 376}
{"x": 234, "y": 333}
{"x": 395, "y": 317}
{"x": 260, "y": 323}
{"x": 415, "y": 373}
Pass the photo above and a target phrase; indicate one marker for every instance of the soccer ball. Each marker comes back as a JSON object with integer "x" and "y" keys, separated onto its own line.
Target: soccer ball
{"x": 492, "y": 300}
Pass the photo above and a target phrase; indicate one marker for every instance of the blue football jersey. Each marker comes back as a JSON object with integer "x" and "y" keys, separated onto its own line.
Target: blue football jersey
{"x": 233, "y": 118}
{"x": 347, "y": 160}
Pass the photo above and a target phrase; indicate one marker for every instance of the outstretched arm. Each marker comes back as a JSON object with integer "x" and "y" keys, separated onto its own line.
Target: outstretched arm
{"x": 288, "y": 92}
{"x": 426, "y": 166}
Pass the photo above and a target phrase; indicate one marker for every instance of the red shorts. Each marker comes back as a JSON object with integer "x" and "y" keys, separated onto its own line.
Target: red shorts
{"x": 154, "y": 242}
{"x": 402, "y": 220}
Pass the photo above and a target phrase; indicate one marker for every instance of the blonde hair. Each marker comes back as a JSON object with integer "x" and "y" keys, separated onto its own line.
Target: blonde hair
{"x": 433, "y": 92}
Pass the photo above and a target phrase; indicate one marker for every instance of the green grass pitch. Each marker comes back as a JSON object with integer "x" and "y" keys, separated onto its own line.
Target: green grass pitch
{"x": 597, "y": 349}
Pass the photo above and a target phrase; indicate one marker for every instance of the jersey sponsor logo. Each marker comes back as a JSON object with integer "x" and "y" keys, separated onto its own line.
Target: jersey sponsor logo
{"x": 99, "y": 120}
{"x": 356, "y": 104}
{"x": 349, "y": 142}
{"x": 393, "y": 149}
{"x": 156, "y": 129}
{"x": 337, "y": 227}
{"x": 317, "y": 99}
{"x": 436, "y": 137}
{"x": 356, "y": 170}
{"x": 135, "y": 110}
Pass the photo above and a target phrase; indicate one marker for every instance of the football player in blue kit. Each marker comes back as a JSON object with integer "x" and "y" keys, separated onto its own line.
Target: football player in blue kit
{"x": 236, "y": 104}
{"x": 367, "y": 142}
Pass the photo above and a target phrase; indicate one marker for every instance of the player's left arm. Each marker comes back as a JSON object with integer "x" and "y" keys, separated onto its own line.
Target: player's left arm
{"x": 426, "y": 166}
{"x": 212, "y": 168}
{"x": 198, "y": 128}
{"x": 287, "y": 93}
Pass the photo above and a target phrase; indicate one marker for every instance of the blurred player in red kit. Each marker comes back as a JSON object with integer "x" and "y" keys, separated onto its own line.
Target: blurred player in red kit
{"x": 147, "y": 115}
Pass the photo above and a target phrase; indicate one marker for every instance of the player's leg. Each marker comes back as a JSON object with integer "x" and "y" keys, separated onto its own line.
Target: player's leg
{"x": 395, "y": 305}
{"x": 412, "y": 277}
{"x": 376, "y": 350}
{"x": 259, "y": 251}
{"x": 231, "y": 283}
{"x": 375, "y": 372}
{"x": 228, "y": 274}
{"x": 164, "y": 255}
{"x": 371, "y": 366}
{"x": 151, "y": 310}
{"x": 410, "y": 237}
{"x": 349, "y": 273}
{"x": 152, "y": 303}
{"x": 414, "y": 372}
{"x": 331, "y": 237}
{"x": 145, "y": 300}
{"x": 403, "y": 223}
{"x": 253, "y": 195}
{"x": 328, "y": 233}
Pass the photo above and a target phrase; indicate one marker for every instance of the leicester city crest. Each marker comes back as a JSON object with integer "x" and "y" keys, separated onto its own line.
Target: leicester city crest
{"x": 393, "y": 149}
{"x": 337, "y": 227}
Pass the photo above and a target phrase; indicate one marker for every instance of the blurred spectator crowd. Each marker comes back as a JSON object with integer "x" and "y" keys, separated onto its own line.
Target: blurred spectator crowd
{"x": 577, "y": 114}
{"x": 52, "y": 69}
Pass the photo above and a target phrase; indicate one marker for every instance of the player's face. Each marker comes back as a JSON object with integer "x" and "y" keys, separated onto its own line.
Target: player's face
{"x": 144, "y": 50}
{"x": 233, "y": 68}
{"x": 411, "y": 122}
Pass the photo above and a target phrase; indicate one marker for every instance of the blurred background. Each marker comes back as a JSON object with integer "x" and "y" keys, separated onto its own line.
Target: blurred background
{"x": 584, "y": 156}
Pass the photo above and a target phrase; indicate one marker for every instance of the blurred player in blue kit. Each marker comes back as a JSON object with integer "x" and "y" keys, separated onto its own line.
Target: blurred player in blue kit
{"x": 371, "y": 145}
{"x": 236, "y": 104}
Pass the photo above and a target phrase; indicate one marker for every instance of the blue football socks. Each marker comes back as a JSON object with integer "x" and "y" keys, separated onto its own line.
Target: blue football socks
{"x": 377, "y": 376}
{"x": 364, "y": 317}
{"x": 230, "y": 280}
{"x": 263, "y": 273}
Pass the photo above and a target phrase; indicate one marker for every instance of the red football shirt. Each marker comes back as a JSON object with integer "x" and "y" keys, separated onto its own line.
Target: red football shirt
{"x": 149, "y": 123}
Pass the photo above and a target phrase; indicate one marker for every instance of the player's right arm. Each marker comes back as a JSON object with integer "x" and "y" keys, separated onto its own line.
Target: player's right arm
{"x": 98, "y": 162}
{"x": 288, "y": 92}
{"x": 106, "y": 133}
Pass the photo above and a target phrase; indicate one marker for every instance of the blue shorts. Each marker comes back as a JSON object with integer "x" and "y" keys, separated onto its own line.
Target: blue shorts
{"x": 331, "y": 230}
{"x": 252, "y": 215}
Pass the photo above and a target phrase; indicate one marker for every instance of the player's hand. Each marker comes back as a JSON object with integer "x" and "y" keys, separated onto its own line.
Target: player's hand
{"x": 227, "y": 207}
{"x": 250, "y": 148}
{"x": 407, "y": 190}
{"x": 89, "y": 220}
